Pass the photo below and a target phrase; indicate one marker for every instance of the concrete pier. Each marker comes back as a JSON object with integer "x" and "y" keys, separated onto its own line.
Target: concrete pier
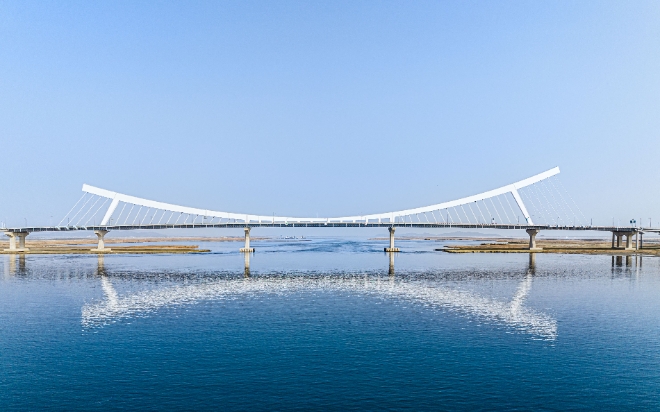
{"x": 532, "y": 239}
{"x": 247, "y": 248}
{"x": 391, "y": 248}
{"x": 629, "y": 237}
{"x": 13, "y": 236}
{"x": 100, "y": 248}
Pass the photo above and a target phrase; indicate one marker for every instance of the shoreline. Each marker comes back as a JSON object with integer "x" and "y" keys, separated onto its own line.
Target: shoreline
{"x": 559, "y": 246}
{"x": 148, "y": 245}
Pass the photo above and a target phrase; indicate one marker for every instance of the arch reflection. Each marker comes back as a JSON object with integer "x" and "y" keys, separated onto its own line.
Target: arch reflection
{"x": 510, "y": 313}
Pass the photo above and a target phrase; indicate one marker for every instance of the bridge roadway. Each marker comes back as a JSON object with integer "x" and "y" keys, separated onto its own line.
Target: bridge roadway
{"x": 618, "y": 233}
{"x": 241, "y": 225}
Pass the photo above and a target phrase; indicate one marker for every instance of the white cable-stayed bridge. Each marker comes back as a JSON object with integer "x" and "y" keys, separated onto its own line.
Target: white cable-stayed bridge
{"x": 539, "y": 202}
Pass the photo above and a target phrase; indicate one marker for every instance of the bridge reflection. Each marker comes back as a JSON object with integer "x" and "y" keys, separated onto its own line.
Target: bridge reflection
{"x": 513, "y": 314}
{"x": 618, "y": 261}
{"x": 14, "y": 264}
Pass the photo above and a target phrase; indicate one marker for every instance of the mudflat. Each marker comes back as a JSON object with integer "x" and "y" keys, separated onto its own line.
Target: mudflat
{"x": 117, "y": 245}
{"x": 573, "y": 246}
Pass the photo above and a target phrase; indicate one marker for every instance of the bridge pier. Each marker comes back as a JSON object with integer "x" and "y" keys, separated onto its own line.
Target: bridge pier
{"x": 21, "y": 241}
{"x": 100, "y": 248}
{"x": 619, "y": 235}
{"x": 247, "y": 248}
{"x": 391, "y": 248}
{"x": 532, "y": 239}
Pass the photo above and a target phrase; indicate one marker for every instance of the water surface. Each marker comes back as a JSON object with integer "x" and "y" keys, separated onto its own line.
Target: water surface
{"x": 332, "y": 324}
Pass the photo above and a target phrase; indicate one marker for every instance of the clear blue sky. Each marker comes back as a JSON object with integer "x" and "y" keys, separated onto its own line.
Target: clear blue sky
{"x": 328, "y": 108}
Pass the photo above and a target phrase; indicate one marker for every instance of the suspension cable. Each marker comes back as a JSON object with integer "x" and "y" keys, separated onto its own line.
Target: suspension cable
{"x": 88, "y": 210}
{"x": 550, "y": 205}
{"x": 466, "y": 215}
{"x": 472, "y": 211}
{"x": 487, "y": 211}
{"x": 82, "y": 207}
{"x": 136, "y": 216}
{"x": 96, "y": 212}
{"x": 120, "y": 213}
{"x": 498, "y": 213}
{"x": 513, "y": 212}
{"x": 74, "y": 206}
{"x": 129, "y": 214}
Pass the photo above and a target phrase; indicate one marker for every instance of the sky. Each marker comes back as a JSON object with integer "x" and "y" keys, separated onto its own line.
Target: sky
{"x": 327, "y": 108}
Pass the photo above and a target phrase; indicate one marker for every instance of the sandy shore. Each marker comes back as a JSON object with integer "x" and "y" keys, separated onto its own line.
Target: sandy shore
{"x": 118, "y": 245}
{"x": 574, "y": 246}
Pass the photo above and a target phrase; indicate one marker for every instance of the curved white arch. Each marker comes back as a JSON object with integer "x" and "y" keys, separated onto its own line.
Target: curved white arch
{"x": 380, "y": 217}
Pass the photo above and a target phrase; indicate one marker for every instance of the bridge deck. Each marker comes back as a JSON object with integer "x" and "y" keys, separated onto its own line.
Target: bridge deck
{"x": 327, "y": 224}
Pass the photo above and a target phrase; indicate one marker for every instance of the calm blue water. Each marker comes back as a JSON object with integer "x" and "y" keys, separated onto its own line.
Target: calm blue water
{"x": 324, "y": 325}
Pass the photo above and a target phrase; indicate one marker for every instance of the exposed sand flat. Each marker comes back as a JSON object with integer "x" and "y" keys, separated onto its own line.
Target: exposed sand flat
{"x": 579, "y": 246}
{"x": 64, "y": 249}
{"x": 123, "y": 240}
{"x": 117, "y": 245}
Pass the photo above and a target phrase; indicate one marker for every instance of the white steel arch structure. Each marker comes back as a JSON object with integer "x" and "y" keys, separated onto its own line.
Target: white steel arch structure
{"x": 512, "y": 313}
{"x": 116, "y": 199}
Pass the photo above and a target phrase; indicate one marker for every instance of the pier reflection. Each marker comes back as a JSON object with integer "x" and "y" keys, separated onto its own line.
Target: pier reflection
{"x": 112, "y": 298}
{"x": 531, "y": 266}
{"x": 100, "y": 265}
{"x": 391, "y": 269}
{"x": 14, "y": 264}
{"x": 246, "y": 271}
{"x": 617, "y": 261}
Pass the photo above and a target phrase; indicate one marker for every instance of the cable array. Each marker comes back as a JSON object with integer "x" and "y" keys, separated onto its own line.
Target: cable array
{"x": 546, "y": 201}
{"x": 548, "y": 205}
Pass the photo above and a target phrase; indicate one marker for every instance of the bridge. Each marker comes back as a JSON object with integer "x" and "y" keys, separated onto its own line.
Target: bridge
{"x": 548, "y": 207}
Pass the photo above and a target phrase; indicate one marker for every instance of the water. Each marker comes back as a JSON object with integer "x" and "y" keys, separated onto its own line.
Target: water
{"x": 324, "y": 324}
